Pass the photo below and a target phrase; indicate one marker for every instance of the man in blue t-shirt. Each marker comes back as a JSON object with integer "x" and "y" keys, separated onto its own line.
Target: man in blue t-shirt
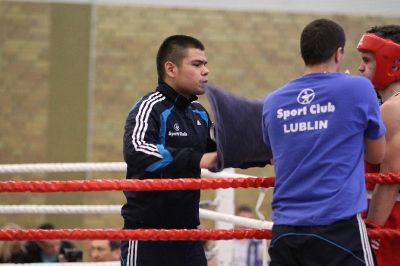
{"x": 320, "y": 127}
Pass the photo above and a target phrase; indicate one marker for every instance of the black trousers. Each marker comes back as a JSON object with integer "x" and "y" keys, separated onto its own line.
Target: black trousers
{"x": 343, "y": 243}
{"x": 162, "y": 253}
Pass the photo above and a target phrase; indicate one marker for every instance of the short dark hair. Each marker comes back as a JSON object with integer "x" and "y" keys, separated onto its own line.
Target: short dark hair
{"x": 390, "y": 31}
{"x": 319, "y": 41}
{"x": 244, "y": 208}
{"x": 173, "y": 49}
{"x": 114, "y": 244}
{"x": 47, "y": 226}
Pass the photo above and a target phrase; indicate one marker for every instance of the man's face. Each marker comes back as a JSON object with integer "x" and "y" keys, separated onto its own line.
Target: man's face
{"x": 50, "y": 247}
{"x": 245, "y": 214}
{"x": 368, "y": 65}
{"x": 101, "y": 251}
{"x": 192, "y": 74}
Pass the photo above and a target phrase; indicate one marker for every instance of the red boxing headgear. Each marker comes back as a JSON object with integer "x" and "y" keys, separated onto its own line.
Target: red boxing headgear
{"x": 386, "y": 53}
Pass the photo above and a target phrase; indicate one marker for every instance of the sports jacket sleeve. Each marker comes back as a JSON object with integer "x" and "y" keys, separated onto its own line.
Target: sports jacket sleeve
{"x": 144, "y": 149}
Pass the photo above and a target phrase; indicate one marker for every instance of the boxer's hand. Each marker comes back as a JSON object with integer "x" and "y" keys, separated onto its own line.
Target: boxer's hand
{"x": 208, "y": 160}
{"x": 375, "y": 243}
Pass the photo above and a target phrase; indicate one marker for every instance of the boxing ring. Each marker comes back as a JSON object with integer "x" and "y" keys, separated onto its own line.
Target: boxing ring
{"x": 224, "y": 218}
{"x": 257, "y": 229}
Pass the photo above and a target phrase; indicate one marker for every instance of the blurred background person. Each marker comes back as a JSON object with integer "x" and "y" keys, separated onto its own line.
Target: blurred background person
{"x": 247, "y": 252}
{"x": 105, "y": 250}
{"x": 12, "y": 251}
{"x": 70, "y": 255}
{"x": 209, "y": 249}
{"x": 210, "y": 253}
{"x": 47, "y": 250}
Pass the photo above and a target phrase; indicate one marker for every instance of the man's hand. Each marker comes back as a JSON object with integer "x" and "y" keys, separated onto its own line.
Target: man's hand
{"x": 61, "y": 258}
{"x": 208, "y": 160}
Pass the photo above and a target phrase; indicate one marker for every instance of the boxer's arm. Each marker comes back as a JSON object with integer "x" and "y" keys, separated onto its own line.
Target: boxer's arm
{"x": 385, "y": 195}
{"x": 374, "y": 151}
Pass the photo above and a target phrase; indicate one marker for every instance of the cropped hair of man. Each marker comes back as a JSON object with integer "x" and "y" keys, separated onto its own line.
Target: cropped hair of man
{"x": 390, "y": 32}
{"x": 319, "y": 140}
{"x": 173, "y": 49}
{"x": 318, "y": 43}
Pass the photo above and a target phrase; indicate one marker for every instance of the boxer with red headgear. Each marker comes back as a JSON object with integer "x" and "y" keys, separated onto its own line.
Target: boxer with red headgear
{"x": 380, "y": 54}
{"x": 387, "y": 58}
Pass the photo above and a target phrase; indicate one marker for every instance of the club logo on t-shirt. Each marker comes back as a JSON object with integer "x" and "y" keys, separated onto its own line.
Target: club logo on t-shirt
{"x": 305, "y": 97}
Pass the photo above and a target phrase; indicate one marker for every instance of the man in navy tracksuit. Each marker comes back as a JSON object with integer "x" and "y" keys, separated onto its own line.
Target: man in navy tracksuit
{"x": 167, "y": 136}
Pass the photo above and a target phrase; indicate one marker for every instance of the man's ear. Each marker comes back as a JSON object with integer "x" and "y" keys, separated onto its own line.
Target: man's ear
{"x": 339, "y": 54}
{"x": 170, "y": 69}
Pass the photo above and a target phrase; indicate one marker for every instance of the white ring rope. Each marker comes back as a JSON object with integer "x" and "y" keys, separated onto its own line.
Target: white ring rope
{"x": 110, "y": 209}
{"x": 85, "y": 167}
{"x": 103, "y": 263}
{"x": 61, "y": 167}
{"x": 242, "y": 221}
{"x": 116, "y": 209}
{"x": 60, "y": 209}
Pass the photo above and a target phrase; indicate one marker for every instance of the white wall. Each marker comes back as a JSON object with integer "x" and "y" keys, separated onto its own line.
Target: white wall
{"x": 386, "y": 8}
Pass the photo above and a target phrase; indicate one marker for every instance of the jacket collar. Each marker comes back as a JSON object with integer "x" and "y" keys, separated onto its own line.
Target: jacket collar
{"x": 173, "y": 96}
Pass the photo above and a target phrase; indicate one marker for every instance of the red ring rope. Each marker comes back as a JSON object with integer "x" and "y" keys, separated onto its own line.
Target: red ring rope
{"x": 158, "y": 234}
{"x": 160, "y": 184}
{"x": 383, "y": 178}
{"x": 135, "y": 184}
{"x": 139, "y": 234}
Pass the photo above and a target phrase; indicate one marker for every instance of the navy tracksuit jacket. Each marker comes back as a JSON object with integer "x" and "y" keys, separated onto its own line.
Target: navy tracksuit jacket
{"x": 165, "y": 137}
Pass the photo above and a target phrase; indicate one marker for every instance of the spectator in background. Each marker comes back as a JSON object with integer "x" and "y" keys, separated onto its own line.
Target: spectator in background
{"x": 12, "y": 251}
{"x": 105, "y": 250}
{"x": 46, "y": 251}
{"x": 210, "y": 256}
{"x": 208, "y": 250}
{"x": 247, "y": 252}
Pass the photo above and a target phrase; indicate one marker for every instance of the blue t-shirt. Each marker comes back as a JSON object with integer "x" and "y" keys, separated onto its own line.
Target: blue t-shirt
{"x": 316, "y": 126}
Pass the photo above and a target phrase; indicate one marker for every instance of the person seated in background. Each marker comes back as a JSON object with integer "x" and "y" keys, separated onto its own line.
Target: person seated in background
{"x": 46, "y": 250}
{"x": 70, "y": 255}
{"x": 12, "y": 251}
{"x": 105, "y": 250}
{"x": 247, "y": 252}
{"x": 208, "y": 246}
{"x": 210, "y": 255}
